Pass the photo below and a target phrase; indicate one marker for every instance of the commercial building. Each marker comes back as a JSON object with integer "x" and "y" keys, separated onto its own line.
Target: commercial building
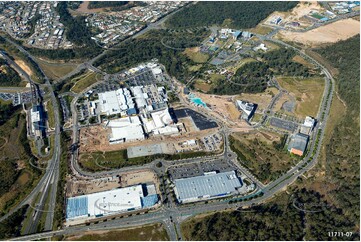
{"x": 260, "y": 47}
{"x": 160, "y": 122}
{"x": 37, "y": 121}
{"x": 146, "y": 150}
{"x": 298, "y": 144}
{"x": 236, "y": 34}
{"x": 111, "y": 202}
{"x": 246, "y": 35}
{"x": 116, "y": 102}
{"x": 209, "y": 186}
{"x": 309, "y": 122}
{"x": 308, "y": 125}
{"x": 150, "y": 98}
{"x": 125, "y": 129}
{"x": 247, "y": 109}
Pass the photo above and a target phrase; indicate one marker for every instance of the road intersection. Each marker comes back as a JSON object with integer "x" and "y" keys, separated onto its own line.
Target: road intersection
{"x": 170, "y": 216}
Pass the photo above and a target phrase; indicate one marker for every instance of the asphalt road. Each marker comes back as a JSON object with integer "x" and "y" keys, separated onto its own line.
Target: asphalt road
{"x": 48, "y": 183}
{"x": 190, "y": 210}
{"x": 180, "y": 212}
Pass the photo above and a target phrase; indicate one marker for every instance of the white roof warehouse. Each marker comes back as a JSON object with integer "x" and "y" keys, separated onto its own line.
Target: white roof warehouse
{"x": 210, "y": 185}
{"x": 110, "y": 202}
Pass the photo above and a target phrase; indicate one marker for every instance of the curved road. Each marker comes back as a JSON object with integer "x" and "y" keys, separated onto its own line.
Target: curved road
{"x": 181, "y": 212}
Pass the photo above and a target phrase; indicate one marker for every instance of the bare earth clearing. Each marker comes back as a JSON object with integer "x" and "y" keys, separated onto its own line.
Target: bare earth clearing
{"x": 331, "y": 33}
{"x": 95, "y": 138}
{"x": 297, "y": 14}
{"x": 83, "y": 8}
{"x": 24, "y": 67}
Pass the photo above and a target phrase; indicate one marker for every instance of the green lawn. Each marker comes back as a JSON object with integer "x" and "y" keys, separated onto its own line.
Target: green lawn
{"x": 307, "y": 92}
{"x": 16, "y": 149}
{"x": 100, "y": 161}
{"x": 56, "y": 70}
{"x": 196, "y": 56}
{"x": 154, "y": 232}
{"x": 50, "y": 114}
{"x": 84, "y": 81}
{"x": 216, "y": 77}
{"x": 264, "y": 154}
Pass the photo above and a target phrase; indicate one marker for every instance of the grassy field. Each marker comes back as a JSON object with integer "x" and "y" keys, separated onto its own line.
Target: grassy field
{"x": 216, "y": 77}
{"x": 263, "y": 153}
{"x": 240, "y": 63}
{"x": 56, "y": 70}
{"x": 15, "y": 151}
{"x": 202, "y": 85}
{"x": 301, "y": 60}
{"x": 256, "y": 117}
{"x": 50, "y": 114}
{"x": 272, "y": 45}
{"x": 195, "y": 55}
{"x": 195, "y": 68}
{"x": 307, "y": 92}
{"x": 100, "y": 161}
{"x": 337, "y": 111}
{"x": 260, "y": 29}
{"x": 154, "y": 232}
{"x": 84, "y": 81}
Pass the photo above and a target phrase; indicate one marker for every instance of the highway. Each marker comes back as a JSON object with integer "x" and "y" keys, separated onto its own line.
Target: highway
{"x": 172, "y": 215}
{"x": 47, "y": 185}
{"x": 268, "y": 191}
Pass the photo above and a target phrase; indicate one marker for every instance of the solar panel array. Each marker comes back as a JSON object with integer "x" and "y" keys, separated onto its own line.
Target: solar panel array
{"x": 77, "y": 206}
{"x": 149, "y": 201}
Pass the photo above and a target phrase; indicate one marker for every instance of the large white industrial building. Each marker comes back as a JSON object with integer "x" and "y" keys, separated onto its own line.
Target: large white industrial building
{"x": 247, "y": 109}
{"x": 111, "y": 202}
{"x": 308, "y": 125}
{"x": 150, "y": 98}
{"x": 161, "y": 122}
{"x": 117, "y": 102}
{"x": 209, "y": 186}
{"x": 125, "y": 129}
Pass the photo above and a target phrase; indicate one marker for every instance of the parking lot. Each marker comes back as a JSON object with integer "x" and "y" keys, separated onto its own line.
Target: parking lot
{"x": 106, "y": 87}
{"x": 6, "y": 96}
{"x": 199, "y": 120}
{"x": 212, "y": 142}
{"x": 142, "y": 78}
{"x": 64, "y": 107}
{"x": 198, "y": 169}
{"x": 279, "y": 123}
{"x": 183, "y": 171}
{"x": 17, "y": 98}
{"x": 216, "y": 165}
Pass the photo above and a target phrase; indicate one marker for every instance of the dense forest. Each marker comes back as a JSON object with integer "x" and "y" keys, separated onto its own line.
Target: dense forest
{"x": 253, "y": 76}
{"x": 304, "y": 214}
{"x": 8, "y": 167}
{"x": 297, "y": 216}
{"x": 106, "y": 4}
{"x": 241, "y": 14}
{"x": 11, "y": 226}
{"x": 150, "y": 46}
{"x": 8, "y": 176}
{"x": 343, "y": 150}
{"x": 8, "y": 76}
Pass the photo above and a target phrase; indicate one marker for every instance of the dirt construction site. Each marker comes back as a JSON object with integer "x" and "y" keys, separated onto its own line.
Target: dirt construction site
{"x": 330, "y": 33}
{"x": 95, "y": 138}
{"x": 297, "y": 14}
{"x": 76, "y": 187}
{"x": 223, "y": 108}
